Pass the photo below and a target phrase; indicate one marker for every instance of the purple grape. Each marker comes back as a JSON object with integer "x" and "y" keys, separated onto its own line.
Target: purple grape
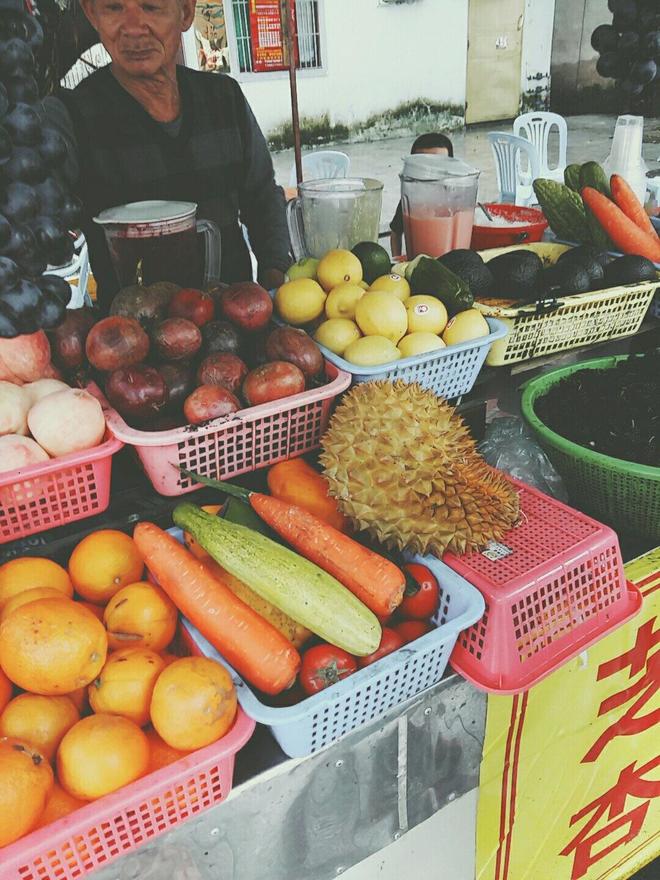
{"x": 5, "y": 145}
{"x": 52, "y": 148}
{"x": 21, "y": 302}
{"x": 16, "y": 58}
{"x": 24, "y": 125}
{"x": 4, "y": 101}
{"x": 8, "y": 328}
{"x": 69, "y": 211}
{"x": 5, "y": 230}
{"x": 55, "y": 286}
{"x": 25, "y": 164}
{"x": 20, "y": 203}
{"x": 21, "y": 241}
{"x": 9, "y": 273}
{"x": 22, "y": 90}
{"x": 50, "y": 312}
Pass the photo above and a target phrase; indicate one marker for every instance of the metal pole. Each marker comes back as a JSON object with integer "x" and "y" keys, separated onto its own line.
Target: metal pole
{"x": 290, "y": 38}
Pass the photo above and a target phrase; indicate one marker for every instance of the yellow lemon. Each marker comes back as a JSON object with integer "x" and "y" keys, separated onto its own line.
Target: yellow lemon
{"x": 342, "y": 300}
{"x": 379, "y": 313}
{"x": 393, "y": 283}
{"x": 371, "y": 351}
{"x": 418, "y": 343}
{"x": 464, "y": 326}
{"x": 363, "y": 285}
{"x": 300, "y": 301}
{"x": 426, "y": 314}
{"x": 337, "y": 266}
{"x": 337, "y": 334}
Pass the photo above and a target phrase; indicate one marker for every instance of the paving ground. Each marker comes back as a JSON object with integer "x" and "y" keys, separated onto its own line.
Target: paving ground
{"x": 588, "y": 138}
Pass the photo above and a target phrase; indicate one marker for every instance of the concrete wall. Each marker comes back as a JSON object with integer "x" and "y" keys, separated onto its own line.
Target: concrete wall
{"x": 537, "y": 54}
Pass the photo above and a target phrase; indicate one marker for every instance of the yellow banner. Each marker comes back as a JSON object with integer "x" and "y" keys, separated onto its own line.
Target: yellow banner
{"x": 570, "y": 776}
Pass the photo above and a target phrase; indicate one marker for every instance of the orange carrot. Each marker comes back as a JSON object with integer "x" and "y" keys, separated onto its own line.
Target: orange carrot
{"x": 373, "y": 579}
{"x": 625, "y": 234}
{"x": 631, "y": 206}
{"x": 261, "y": 654}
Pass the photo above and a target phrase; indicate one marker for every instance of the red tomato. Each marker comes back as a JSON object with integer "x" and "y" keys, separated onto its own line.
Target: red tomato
{"x": 390, "y": 641}
{"x": 410, "y": 630}
{"x": 423, "y": 603}
{"x": 324, "y": 665}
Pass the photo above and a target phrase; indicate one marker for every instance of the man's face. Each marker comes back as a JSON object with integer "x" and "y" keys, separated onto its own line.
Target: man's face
{"x": 141, "y": 36}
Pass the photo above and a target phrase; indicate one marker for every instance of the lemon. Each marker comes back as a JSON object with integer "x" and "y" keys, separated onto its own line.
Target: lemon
{"x": 342, "y": 300}
{"x": 337, "y": 334}
{"x": 305, "y": 268}
{"x": 381, "y": 314}
{"x": 371, "y": 351}
{"x": 300, "y": 301}
{"x": 418, "y": 343}
{"x": 395, "y": 284}
{"x": 426, "y": 314}
{"x": 337, "y": 266}
{"x": 464, "y": 326}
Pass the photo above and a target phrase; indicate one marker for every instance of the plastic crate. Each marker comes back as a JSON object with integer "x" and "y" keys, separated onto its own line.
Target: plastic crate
{"x": 59, "y": 491}
{"x": 320, "y": 720}
{"x": 624, "y": 494}
{"x": 449, "y": 372}
{"x": 553, "y": 587}
{"x": 99, "y": 832}
{"x": 245, "y": 441}
{"x": 581, "y": 319}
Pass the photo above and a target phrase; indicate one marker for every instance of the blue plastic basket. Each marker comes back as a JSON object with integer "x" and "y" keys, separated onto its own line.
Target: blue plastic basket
{"x": 320, "y": 720}
{"x": 449, "y": 372}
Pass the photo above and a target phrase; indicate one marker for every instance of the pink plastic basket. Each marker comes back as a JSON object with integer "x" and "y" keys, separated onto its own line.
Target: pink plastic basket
{"x": 101, "y": 831}
{"x": 59, "y": 491}
{"x": 553, "y": 587}
{"x": 252, "y": 438}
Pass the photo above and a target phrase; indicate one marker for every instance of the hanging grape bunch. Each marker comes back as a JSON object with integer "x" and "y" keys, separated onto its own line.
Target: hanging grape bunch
{"x": 36, "y": 211}
{"x": 629, "y": 48}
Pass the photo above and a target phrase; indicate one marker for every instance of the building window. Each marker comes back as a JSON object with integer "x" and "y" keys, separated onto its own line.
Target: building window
{"x": 257, "y": 25}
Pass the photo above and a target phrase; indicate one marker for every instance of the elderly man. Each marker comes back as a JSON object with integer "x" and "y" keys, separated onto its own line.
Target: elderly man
{"x": 146, "y": 128}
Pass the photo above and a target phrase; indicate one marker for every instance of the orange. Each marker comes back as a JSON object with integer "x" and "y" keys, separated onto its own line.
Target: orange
{"x": 40, "y": 721}
{"x": 168, "y": 658}
{"x": 125, "y": 684}
{"x": 6, "y": 690}
{"x": 103, "y": 563}
{"x": 26, "y": 780}
{"x": 59, "y": 804}
{"x": 97, "y": 610}
{"x": 140, "y": 615}
{"x": 100, "y": 754}
{"x": 193, "y": 703}
{"x": 196, "y": 549}
{"x": 79, "y": 698}
{"x": 28, "y": 596}
{"x": 28, "y": 572}
{"x": 52, "y": 646}
{"x": 160, "y": 754}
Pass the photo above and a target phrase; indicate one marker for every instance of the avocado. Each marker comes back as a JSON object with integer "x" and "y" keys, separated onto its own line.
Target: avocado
{"x": 517, "y": 274}
{"x": 433, "y": 278}
{"x": 374, "y": 259}
{"x": 567, "y": 278}
{"x": 587, "y": 258}
{"x": 629, "y": 269}
{"x": 470, "y": 267}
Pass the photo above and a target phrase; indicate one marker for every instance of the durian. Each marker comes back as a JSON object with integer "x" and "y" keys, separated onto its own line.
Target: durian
{"x": 404, "y": 468}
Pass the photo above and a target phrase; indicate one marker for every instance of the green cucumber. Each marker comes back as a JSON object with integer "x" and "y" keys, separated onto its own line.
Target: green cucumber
{"x": 296, "y": 586}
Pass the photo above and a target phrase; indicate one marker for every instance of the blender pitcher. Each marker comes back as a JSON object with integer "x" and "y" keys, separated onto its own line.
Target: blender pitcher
{"x": 157, "y": 241}
{"x": 438, "y": 198}
{"x": 334, "y": 213}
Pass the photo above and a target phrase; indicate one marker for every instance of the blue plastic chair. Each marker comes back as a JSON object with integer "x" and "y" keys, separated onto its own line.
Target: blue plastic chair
{"x": 536, "y": 127}
{"x": 517, "y": 165}
{"x": 322, "y": 164}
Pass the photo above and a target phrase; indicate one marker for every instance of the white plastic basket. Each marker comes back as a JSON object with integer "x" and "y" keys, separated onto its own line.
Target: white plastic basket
{"x": 322, "y": 719}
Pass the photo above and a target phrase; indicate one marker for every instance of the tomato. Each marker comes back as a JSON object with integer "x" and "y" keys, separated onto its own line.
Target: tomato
{"x": 423, "y": 602}
{"x": 410, "y": 630}
{"x": 390, "y": 641}
{"x": 325, "y": 665}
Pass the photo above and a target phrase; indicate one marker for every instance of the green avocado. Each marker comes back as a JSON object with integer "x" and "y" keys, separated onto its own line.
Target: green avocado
{"x": 431, "y": 277}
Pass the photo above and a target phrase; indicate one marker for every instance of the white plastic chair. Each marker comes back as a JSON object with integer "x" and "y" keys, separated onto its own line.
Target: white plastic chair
{"x": 513, "y": 178}
{"x": 322, "y": 164}
{"x": 536, "y": 127}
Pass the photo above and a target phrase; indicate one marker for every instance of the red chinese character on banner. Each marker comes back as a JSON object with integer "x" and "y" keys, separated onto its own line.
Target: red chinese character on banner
{"x": 631, "y": 783}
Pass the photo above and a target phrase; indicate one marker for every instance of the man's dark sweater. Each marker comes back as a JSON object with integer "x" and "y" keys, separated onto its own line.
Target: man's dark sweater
{"x": 217, "y": 157}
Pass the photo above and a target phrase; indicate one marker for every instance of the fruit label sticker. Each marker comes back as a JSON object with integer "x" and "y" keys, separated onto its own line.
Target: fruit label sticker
{"x": 496, "y": 551}
{"x": 420, "y": 309}
{"x": 395, "y": 277}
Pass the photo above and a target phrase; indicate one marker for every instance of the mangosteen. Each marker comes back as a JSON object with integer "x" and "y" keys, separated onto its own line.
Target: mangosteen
{"x": 25, "y": 164}
{"x": 16, "y": 58}
{"x": 52, "y": 148}
{"x": 20, "y": 203}
{"x": 23, "y": 125}
{"x": 9, "y": 273}
{"x": 8, "y": 329}
{"x": 5, "y": 145}
{"x": 55, "y": 286}
{"x": 5, "y": 230}
{"x": 60, "y": 252}
{"x": 22, "y": 90}
{"x": 604, "y": 38}
{"x": 4, "y": 101}
{"x": 50, "y": 312}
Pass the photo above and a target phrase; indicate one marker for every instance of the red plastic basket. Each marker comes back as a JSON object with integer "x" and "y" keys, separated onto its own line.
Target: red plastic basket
{"x": 552, "y": 588}
{"x": 101, "y": 831}
{"x": 59, "y": 491}
{"x": 252, "y": 438}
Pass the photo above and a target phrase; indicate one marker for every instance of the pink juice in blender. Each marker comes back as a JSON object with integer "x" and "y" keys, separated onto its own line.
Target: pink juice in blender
{"x": 438, "y": 198}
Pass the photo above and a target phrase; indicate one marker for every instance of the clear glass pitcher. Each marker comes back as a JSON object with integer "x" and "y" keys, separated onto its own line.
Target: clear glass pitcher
{"x": 158, "y": 241}
{"x": 334, "y": 213}
{"x": 438, "y": 198}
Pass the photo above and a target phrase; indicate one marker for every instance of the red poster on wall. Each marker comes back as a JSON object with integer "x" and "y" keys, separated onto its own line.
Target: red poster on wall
{"x": 268, "y": 49}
